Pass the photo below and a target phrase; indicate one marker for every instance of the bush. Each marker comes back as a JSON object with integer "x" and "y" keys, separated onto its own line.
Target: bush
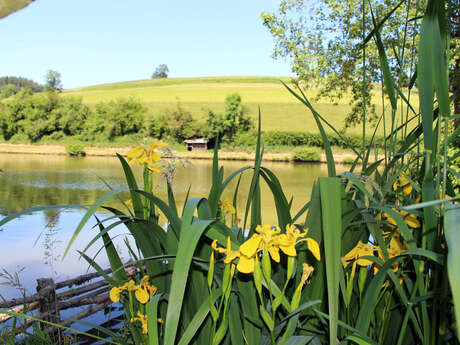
{"x": 73, "y": 115}
{"x": 117, "y": 118}
{"x": 305, "y": 154}
{"x": 234, "y": 119}
{"x": 245, "y": 139}
{"x": 177, "y": 124}
{"x": 75, "y": 150}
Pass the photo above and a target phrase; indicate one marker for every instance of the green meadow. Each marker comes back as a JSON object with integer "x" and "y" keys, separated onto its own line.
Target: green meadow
{"x": 280, "y": 110}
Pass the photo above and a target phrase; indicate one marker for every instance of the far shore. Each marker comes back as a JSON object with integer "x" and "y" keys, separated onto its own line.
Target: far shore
{"x": 53, "y": 149}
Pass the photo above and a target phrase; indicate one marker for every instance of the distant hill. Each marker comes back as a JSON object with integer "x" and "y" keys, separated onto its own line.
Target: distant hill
{"x": 280, "y": 110}
{"x": 20, "y": 82}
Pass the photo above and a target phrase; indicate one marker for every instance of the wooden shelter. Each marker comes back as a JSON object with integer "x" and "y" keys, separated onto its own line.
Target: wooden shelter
{"x": 199, "y": 144}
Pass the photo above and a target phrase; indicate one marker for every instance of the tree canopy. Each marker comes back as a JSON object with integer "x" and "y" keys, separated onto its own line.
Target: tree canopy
{"x": 323, "y": 40}
{"x": 161, "y": 72}
{"x": 53, "y": 80}
{"x": 20, "y": 83}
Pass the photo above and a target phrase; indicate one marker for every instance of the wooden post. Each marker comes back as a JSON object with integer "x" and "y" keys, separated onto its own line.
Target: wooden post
{"x": 48, "y": 306}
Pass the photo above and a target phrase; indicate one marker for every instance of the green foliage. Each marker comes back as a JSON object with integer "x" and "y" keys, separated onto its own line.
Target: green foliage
{"x": 21, "y": 83}
{"x": 10, "y": 6}
{"x": 161, "y": 72}
{"x": 117, "y": 118}
{"x": 233, "y": 120}
{"x": 8, "y": 90}
{"x": 305, "y": 154}
{"x": 177, "y": 124}
{"x": 38, "y": 115}
{"x": 73, "y": 115}
{"x": 53, "y": 81}
{"x": 323, "y": 42}
{"x": 75, "y": 150}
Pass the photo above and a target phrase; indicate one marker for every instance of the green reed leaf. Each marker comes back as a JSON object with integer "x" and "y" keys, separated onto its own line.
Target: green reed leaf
{"x": 452, "y": 233}
{"x": 198, "y": 318}
{"x": 92, "y": 210}
{"x": 119, "y": 274}
{"x": 326, "y": 143}
{"x": 331, "y": 212}
{"x": 189, "y": 238}
{"x": 152, "y": 316}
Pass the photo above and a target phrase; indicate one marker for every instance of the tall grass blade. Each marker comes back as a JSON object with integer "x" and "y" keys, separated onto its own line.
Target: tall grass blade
{"x": 152, "y": 317}
{"x": 452, "y": 233}
{"x": 119, "y": 274}
{"x": 92, "y": 210}
{"x": 132, "y": 184}
{"x": 326, "y": 143}
{"x": 189, "y": 238}
{"x": 331, "y": 211}
{"x": 255, "y": 176}
{"x": 198, "y": 318}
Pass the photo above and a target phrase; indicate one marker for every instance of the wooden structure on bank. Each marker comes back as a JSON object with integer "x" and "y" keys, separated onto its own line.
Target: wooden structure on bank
{"x": 199, "y": 144}
{"x": 89, "y": 293}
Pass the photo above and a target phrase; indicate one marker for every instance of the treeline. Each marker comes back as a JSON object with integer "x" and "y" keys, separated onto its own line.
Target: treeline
{"x": 51, "y": 117}
{"x": 11, "y": 85}
{"x": 27, "y": 116}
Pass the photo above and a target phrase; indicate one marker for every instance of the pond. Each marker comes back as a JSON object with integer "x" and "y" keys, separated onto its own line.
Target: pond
{"x": 32, "y": 245}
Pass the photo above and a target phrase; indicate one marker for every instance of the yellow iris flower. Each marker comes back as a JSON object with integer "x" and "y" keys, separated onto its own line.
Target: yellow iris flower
{"x": 143, "y": 292}
{"x": 228, "y": 208}
{"x": 410, "y": 219}
{"x": 267, "y": 238}
{"x": 146, "y": 156}
{"x": 288, "y": 241}
{"x": 143, "y": 320}
{"x": 307, "y": 271}
{"x": 356, "y": 255}
{"x": 402, "y": 182}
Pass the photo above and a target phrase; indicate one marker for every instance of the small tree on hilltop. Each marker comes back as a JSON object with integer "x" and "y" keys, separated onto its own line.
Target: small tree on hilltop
{"x": 53, "y": 81}
{"x": 161, "y": 72}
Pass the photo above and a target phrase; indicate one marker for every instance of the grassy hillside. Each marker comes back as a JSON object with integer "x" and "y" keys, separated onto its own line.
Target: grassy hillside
{"x": 280, "y": 110}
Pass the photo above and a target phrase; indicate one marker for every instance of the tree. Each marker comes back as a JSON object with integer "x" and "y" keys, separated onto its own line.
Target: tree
{"x": 20, "y": 82}
{"x": 161, "y": 72}
{"x": 8, "y": 90}
{"x": 53, "y": 81}
{"x": 323, "y": 40}
{"x": 9, "y": 6}
{"x": 234, "y": 119}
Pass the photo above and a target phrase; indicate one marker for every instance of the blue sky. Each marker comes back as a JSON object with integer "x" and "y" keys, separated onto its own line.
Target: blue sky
{"x": 103, "y": 41}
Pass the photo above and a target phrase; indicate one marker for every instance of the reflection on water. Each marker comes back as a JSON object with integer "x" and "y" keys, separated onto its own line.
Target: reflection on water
{"x": 37, "y": 241}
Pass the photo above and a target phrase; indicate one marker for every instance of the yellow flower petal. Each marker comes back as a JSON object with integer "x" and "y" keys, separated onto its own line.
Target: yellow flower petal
{"x": 245, "y": 264}
{"x": 142, "y": 295}
{"x": 413, "y": 221}
{"x": 313, "y": 246}
{"x": 153, "y": 169}
{"x": 115, "y": 294}
{"x": 289, "y": 250}
{"x": 250, "y": 247}
{"x": 274, "y": 253}
{"x": 307, "y": 270}
{"x": 135, "y": 153}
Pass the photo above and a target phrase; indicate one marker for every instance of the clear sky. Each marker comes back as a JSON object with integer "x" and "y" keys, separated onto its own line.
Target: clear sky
{"x": 102, "y": 41}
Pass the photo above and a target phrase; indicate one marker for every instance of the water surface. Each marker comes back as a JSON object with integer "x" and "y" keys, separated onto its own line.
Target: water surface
{"x": 33, "y": 244}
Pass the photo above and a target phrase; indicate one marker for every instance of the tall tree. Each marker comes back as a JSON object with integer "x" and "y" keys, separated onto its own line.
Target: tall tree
{"x": 161, "y": 72}
{"x": 323, "y": 39}
{"x": 53, "y": 80}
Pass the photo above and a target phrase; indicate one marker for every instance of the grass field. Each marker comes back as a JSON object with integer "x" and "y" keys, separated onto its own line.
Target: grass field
{"x": 280, "y": 110}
